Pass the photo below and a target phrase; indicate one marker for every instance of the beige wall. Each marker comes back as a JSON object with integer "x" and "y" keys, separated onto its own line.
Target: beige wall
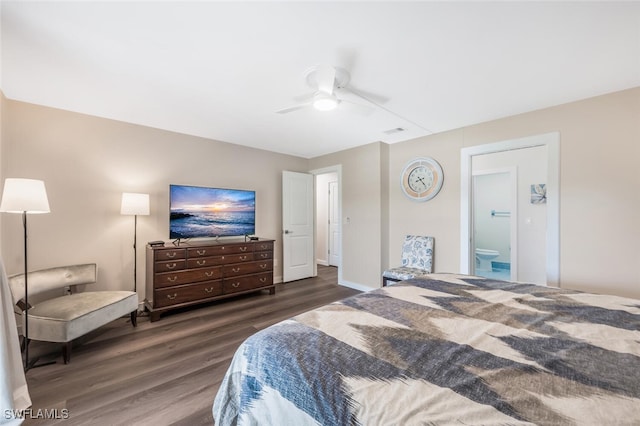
{"x": 362, "y": 211}
{"x": 87, "y": 162}
{"x": 599, "y": 189}
{"x": 438, "y": 217}
{"x": 599, "y": 194}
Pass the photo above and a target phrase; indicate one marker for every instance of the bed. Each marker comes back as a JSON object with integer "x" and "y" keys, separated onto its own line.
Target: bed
{"x": 447, "y": 349}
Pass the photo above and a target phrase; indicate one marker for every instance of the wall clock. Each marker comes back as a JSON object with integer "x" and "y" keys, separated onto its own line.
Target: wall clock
{"x": 421, "y": 179}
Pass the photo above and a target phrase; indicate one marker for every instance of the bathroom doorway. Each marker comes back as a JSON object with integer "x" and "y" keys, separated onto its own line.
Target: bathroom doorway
{"x": 495, "y": 215}
{"x": 538, "y": 232}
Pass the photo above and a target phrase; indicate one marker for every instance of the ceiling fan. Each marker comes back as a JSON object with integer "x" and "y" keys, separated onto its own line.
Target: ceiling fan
{"x": 330, "y": 90}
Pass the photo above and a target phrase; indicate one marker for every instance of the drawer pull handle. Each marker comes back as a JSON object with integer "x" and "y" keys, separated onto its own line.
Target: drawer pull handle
{"x": 264, "y": 255}
{"x": 209, "y": 290}
{"x": 172, "y": 279}
{"x": 201, "y": 262}
{"x": 243, "y": 257}
{"x": 235, "y": 269}
{"x": 209, "y": 273}
{"x": 171, "y": 254}
{"x": 264, "y": 246}
{"x": 171, "y": 265}
{"x": 263, "y": 279}
{"x": 243, "y": 248}
{"x": 170, "y": 297}
{"x": 235, "y": 285}
{"x": 263, "y": 265}
{"x": 201, "y": 252}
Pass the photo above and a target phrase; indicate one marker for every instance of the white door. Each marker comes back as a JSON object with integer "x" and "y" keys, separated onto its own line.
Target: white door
{"x": 297, "y": 226}
{"x": 334, "y": 224}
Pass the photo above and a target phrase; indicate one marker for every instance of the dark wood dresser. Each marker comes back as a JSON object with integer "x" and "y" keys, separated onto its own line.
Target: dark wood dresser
{"x": 191, "y": 273}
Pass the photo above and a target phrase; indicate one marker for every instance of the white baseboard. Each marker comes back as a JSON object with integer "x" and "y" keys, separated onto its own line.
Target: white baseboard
{"x": 356, "y": 286}
{"x": 322, "y": 262}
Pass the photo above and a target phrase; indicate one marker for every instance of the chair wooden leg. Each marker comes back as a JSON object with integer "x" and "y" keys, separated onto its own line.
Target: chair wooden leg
{"x": 66, "y": 352}
{"x": 134, "y": 318}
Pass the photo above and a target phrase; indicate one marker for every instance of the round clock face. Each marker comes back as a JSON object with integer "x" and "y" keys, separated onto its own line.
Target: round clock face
{"x": 421, "y": 179}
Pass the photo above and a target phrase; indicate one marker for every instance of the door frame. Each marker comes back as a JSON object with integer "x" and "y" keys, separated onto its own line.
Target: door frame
{"x": 552, "y": 143}
{"x": 324, "y": 170}
{"x": 333, "y": 207}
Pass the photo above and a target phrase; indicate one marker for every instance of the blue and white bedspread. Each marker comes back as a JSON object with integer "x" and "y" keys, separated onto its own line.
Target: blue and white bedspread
{"x": 449, "y": 349}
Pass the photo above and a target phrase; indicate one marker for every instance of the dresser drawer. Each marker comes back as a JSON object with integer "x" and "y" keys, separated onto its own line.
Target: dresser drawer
{"x": 187, "y": 293}
{"x": 202, "y": 262}
{"x": 202, "y": 252}
{"x": 232, "y": 285}
{"x": 219, "y": 250}
{"x": 237, "y": 258}
{"x": 247, "y": 268}
{"x": 169, "y": 254}
{"x": 172, "y": 265}
{"x": 262, "y": 255}
{"x": 264, "y": 246}
{"x": 167, "y": 279}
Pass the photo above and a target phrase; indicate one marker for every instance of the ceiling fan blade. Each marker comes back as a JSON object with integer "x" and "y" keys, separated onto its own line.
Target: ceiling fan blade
{"x": 293, "y": 108}
{"x": 326, "y": 78}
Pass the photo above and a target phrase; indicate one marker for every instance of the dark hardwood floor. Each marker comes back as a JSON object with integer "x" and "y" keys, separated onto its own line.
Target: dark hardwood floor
{"x": 166, "y": 372}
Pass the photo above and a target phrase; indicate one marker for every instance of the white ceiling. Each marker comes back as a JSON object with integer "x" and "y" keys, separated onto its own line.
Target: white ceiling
{"x": 220, "y": 70}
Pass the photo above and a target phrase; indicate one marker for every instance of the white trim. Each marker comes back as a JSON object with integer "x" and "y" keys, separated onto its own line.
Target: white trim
{"x": 322, "y": 262}
{"x": 356, "y": 286}
{"x": 552, "y": 142}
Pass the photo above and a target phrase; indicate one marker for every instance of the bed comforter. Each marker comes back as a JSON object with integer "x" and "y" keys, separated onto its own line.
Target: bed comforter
{"x": 449, "y": 349}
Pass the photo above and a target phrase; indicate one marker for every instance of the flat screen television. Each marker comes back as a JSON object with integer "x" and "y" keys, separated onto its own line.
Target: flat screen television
{"x": 198, "y": 212}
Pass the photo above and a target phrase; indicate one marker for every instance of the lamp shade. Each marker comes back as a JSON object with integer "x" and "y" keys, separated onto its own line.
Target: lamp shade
{"x": 135, "y": 204}
{"x": 24, "y": 195}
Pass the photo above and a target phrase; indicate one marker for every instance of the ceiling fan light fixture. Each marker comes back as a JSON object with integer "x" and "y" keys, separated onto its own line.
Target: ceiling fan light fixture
{"x": 325, "y": 102}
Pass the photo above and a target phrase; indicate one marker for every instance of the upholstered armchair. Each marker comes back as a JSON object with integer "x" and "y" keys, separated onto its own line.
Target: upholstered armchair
{"x": 417, "y": 260}
{"x": 65, "y": 318}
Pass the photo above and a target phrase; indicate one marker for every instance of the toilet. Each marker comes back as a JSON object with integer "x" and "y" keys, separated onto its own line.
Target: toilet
{"x": 484, "y": 258}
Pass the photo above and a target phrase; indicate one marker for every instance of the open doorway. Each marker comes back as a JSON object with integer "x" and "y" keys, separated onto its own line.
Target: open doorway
{"x": 494, "y": 223}
{"x": 328, "y": 234}
{"x": 541, "y": 266}
{"x": 327, "y": 219}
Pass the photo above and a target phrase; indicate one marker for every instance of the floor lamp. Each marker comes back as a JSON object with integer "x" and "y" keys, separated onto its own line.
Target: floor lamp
{"x": 25, "y": 196}
{"x": 135, "y": 204}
